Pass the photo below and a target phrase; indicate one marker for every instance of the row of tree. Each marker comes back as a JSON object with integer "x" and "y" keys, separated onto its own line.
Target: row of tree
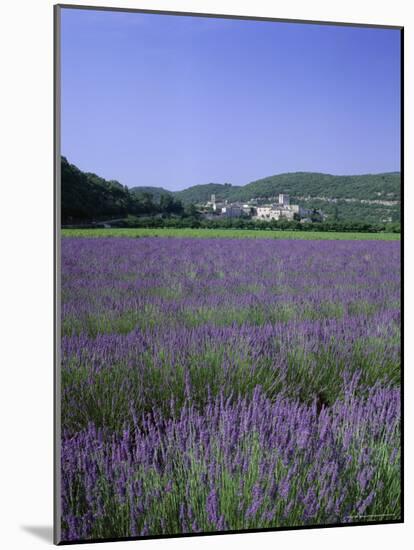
{"x": 193, "y": 220}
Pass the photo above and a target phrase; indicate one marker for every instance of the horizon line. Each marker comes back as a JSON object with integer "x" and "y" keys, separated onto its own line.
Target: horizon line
{"x": 238, "y": 185}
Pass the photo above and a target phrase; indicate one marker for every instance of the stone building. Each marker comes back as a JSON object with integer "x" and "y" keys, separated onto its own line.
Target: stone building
{"x": 281, "y": 210}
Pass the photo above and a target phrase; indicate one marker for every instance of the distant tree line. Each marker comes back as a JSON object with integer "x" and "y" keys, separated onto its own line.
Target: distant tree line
{"x": 192, "y": 220}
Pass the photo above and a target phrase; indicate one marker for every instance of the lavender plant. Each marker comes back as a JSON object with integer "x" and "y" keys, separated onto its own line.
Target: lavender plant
{"x": 220, "y": 384}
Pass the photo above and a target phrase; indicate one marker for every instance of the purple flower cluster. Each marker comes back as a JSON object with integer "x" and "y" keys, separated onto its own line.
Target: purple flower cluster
{"x": 227, "y": 384}
{"x": 237, "y": 464}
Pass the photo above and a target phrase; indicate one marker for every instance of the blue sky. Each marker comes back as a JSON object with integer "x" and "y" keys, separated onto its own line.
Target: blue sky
{"x": 177, "y": 101}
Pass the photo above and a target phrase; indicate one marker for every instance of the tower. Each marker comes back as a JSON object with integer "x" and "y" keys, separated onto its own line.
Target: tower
{"x": 283, "y": 199}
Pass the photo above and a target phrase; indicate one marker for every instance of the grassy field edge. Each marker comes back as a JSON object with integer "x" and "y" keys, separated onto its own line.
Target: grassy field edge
{"x": 228, "y": 233}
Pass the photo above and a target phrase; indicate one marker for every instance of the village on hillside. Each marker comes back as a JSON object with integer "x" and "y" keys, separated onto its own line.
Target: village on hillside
{"x": 277, "y": 208}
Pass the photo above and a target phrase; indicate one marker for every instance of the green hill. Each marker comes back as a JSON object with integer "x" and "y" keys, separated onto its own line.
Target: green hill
{"x": 371, "y": 198}
{"x": 369, "y": 186}
{"x": 86, "y": 195}
{"x": 356, "y": 198}
{"x": 156, "y": 192}
{"x": 298, "y": 184}
{"x": 202, "y": 193}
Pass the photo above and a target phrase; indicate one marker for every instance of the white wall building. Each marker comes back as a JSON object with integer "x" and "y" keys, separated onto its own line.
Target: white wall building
{"x": 232, "y": 211}
{"x": 278, "y": 211}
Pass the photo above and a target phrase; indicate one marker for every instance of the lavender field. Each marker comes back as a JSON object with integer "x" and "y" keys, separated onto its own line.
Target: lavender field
{"x": 228, "y": 384}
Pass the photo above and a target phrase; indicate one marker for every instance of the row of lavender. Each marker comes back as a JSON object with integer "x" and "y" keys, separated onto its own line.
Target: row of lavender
{"x": 228, "y": 384}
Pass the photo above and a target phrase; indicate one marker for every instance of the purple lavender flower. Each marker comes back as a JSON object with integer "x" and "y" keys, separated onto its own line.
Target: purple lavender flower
{"x": 212, "y": 507}
{"x": 190, "y": 373}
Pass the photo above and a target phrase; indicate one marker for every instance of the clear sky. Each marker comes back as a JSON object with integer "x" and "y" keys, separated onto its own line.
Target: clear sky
{"x": 175, "y": 101}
